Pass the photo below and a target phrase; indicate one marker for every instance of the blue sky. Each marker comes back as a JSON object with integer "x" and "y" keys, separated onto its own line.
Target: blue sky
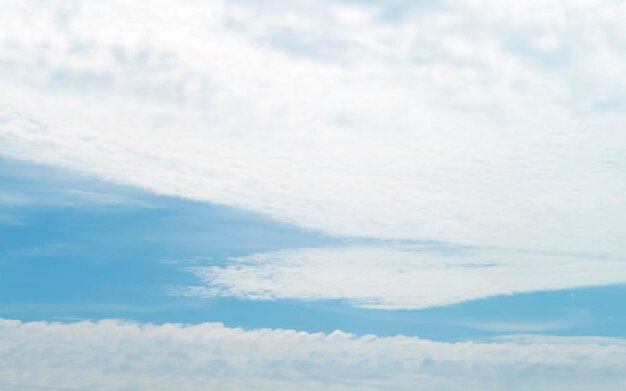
{"x": 314, "y": 195}
{"x": 80, "y": 248}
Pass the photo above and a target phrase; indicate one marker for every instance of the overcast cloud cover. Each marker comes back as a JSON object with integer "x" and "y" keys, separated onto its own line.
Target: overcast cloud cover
{"x": 491, "y": 131}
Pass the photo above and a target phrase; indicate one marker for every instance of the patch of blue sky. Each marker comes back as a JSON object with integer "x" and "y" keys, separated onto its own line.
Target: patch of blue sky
{"x": 85, "y": 243}
{"x": 76, "y": 247}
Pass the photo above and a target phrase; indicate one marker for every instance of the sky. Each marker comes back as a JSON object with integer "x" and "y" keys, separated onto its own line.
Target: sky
{"x": 323, "y": 195}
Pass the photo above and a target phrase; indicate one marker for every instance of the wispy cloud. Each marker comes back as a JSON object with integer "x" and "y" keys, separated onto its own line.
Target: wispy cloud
{"x": 399, "y": 277}
{"x": 8, "y": 219}
{"x": 66, "y": 198}
{"x": 561, "y": 319}
{"x": 114, "y": 355}
{"x": 11, "y": 198}
{"x": 75, "y": 197}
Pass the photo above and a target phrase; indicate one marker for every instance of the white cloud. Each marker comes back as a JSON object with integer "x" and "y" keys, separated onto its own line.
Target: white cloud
{"x": 451, "y": 123}
{"x": 480, "y": 123}
{"x": 113, "y": 355}
{"x": 399, "y": 277}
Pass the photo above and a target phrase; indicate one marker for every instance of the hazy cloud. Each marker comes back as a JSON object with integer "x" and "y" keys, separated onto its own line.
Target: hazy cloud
{"x": 114, "y": 355}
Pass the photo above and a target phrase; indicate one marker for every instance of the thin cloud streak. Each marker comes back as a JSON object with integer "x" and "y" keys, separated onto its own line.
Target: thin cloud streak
{"x": 399, "y": 277}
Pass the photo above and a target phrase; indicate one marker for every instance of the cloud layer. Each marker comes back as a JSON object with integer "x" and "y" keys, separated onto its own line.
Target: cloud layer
{"x": 494, "y": 129}
{"x": 399, "y": 277}
{"x": 476, "y": 122}
{"x": 114, "y": 355}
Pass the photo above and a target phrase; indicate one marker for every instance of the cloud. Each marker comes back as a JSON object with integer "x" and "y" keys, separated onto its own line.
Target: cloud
{"x": 65, "y": 198}
{"x": 81, "y": 197}
{"x": 479, "y": 123}
{"x": 115, "y": 355}
{"x": 399, "y": 277}
{"x": 7, "y": 219}
{"x": 13, "y": 199}
{"x": 27, "y": 185}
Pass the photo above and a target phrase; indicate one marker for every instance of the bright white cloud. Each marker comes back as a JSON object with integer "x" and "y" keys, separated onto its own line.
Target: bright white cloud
{"x": 113, "y": 355}
{"x": 400, "y": 277}
{"x": 474, "y": 122}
